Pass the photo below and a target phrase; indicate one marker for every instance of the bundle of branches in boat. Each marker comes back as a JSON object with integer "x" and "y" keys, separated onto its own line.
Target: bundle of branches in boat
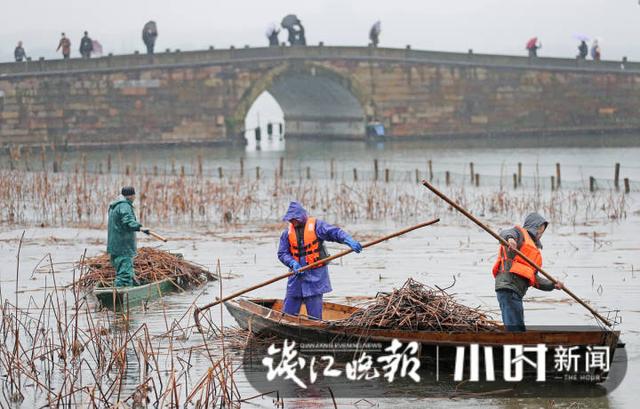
{"x": 238, "y": 339}
{"x": 418, "y": 307}
{"x": 149, "y": 264}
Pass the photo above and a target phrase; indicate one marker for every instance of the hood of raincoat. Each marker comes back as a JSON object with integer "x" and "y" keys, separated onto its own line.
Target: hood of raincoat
{"x": 295, "y": 211}
{"x": 531, "y": 224}
{"x": 118, "y": 201}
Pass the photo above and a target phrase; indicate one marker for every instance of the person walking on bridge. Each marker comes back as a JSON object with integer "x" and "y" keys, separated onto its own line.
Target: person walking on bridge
{"x": 374, "y": 33}
{"x": 86, "y": 46}
{"x": 583, "y": 50}
{"x": 513, "y": 275}
{"x": 65, "y": 45}
{"x": 19, "y": 53}
{"x": 302, "y": 244}
{"x": 121, "y": 237}
{"x": 150, "y": 35}
{"x": 595, "y": 51}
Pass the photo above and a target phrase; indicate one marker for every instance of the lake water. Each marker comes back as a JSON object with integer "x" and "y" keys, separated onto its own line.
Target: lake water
{"x": 603, "y": 271}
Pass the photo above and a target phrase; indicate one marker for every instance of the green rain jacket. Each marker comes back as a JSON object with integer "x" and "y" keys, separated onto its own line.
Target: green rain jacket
{"x": 121, "y": 237}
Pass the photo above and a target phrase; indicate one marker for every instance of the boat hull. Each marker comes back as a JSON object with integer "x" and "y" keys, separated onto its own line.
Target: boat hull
{"x": 123, "y": 298}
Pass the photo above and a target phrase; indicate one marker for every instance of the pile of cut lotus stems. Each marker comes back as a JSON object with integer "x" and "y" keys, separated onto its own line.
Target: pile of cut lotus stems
{"x": 150, "y": 265}
{"x": 418, "y": 307}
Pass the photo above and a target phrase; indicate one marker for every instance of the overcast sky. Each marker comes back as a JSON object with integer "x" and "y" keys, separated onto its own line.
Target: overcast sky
{"x": 487, "y": 26}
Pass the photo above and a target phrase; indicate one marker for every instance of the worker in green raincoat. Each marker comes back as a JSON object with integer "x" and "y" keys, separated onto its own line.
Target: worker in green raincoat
{"x": 121, "y": 238}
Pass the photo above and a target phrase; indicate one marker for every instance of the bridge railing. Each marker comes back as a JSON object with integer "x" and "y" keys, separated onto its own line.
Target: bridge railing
{"x": 224, "y": 56}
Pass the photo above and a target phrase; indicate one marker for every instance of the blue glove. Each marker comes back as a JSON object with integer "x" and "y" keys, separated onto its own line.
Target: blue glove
{"x": 355, "y": 245}
{"x": 295, "y": 267}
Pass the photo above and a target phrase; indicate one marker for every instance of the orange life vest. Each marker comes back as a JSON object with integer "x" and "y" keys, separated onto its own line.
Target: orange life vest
{"x": 311, "y": 244}
{"x": 518, "y": 265}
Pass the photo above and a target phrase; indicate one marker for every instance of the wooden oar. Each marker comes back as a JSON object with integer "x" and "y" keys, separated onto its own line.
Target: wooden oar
{"x": 518, "y": 252}
{"x": 198, "y": 310}
{"x": 157, "y": 236}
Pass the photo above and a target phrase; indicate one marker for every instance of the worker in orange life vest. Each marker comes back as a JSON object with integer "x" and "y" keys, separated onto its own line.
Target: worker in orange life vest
{"x": 514, "y": 275}
{"x": 302, "y": 244}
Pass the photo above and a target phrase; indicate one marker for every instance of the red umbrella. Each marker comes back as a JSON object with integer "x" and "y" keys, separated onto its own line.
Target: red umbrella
{"x": 532, "y": 42}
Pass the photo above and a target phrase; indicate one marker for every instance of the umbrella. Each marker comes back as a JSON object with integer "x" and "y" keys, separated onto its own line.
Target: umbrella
{"x": 270, "y": 29}
{"x": 377, "y": 27}
{"x": 289, "y": 21}
{"x": 97, "y": 47}
{"x": 581, "y": 37}
{"x": 531, "y": 43}
{"x": 150, "y": 26}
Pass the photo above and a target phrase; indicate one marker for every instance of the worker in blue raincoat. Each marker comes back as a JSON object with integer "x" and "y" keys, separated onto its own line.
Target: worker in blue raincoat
{"x": 121, "y": 237}
{"x": 301, "y": 244}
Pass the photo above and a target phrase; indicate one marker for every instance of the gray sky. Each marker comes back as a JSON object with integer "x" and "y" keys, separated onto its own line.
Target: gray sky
{"x": 487, "y": 26}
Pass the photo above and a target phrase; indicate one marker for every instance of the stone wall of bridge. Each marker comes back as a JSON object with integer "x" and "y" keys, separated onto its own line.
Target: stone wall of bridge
{"x": 203, "y": 96}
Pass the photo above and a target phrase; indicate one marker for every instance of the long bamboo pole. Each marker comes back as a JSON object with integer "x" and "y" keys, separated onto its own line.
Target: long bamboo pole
{"x": 198, "y": 310}
{"x": 518, "y": 252}
{"x": 157, "y": 236}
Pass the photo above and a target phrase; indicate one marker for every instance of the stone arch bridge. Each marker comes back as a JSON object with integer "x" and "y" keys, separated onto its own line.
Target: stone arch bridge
{"x": 325, "y": 92}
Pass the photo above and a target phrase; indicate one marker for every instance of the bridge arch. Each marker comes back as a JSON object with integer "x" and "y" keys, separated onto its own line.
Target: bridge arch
{"x": 316, "y": 101}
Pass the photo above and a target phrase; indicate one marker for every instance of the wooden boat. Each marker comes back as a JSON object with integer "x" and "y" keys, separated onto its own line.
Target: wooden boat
{"x": 123, "y": 298}
{"x": 265, "y": 317}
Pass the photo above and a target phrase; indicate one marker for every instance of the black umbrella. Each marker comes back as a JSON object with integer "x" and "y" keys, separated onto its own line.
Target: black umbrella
{"x": 150, "y": 26}
{"x": 289, "y": 21}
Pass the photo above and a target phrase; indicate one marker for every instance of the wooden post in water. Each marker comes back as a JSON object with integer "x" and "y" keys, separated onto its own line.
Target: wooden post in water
{"x": 220, "y": 174}
{"x": 447, "y": 178}
{"x": 43, "y": 157}
{"x": 355, "y": 174}
{"x": 155, "y": 170}
{"x": 553, "y": 183}
{"x": 275, "y": 181}
{"x": 430, "y": 171}
{"x": 616, "y": 177}
{"x": 199, "y": 165}
{"x": 375, "y": 169}
{"x": 332, "y": 169}
{"x": 558, "y": 179}
{"x": 477, "y": 180}
{"x": 592, "y": 183}
{"x": 386, "y": 175}
{"x": 519, "y": 173}
{"x": 515, "y": 180}
{"x": 308, "y": 172}
{"x": 281, "y": 166}
{"x": 27, "y": 160}
{"x": 257, "y": 172}
{"x": 241, "y": 167}
{"x": 627, "y": 188}
{"x": 417, "y": 176}
{"x": 109, "y": 163}
{"x": 471, "y": 171}
{"x": 127, "y": 171}
{"x": 182, "y": 173}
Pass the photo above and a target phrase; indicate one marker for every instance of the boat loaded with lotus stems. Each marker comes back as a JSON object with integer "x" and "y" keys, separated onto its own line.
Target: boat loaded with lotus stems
{"x": 345, "y": 324}
{"x": 158, "y": 273}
